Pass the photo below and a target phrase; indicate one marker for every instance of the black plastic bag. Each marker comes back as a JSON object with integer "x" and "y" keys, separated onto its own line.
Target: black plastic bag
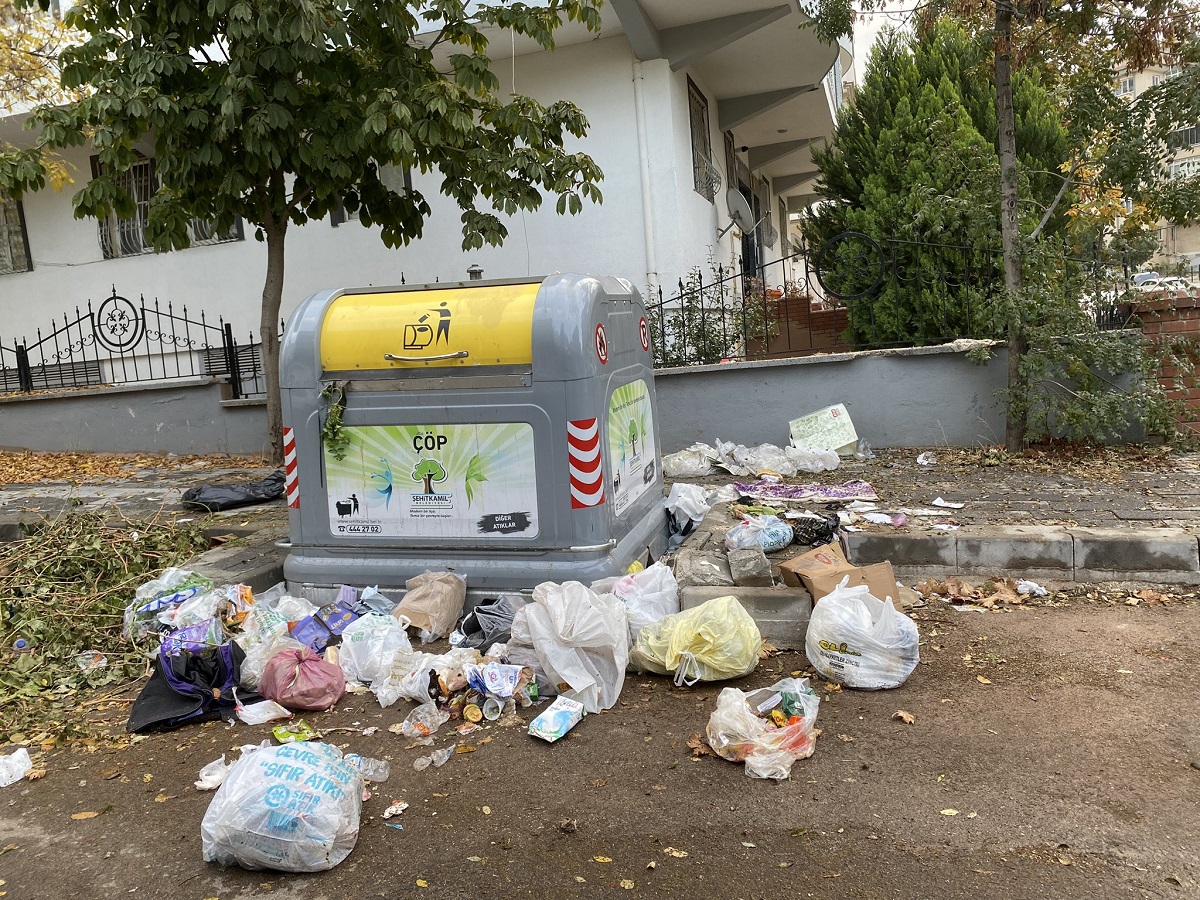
{"x": 217, "y": 497}
{"x": 490, "y": 622}
{"x": 190, "y": 687}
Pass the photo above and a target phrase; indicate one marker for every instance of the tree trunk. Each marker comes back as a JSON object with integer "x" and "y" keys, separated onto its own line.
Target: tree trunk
{"x": 275, "y": 229}
{"x": 1010, "y": 234}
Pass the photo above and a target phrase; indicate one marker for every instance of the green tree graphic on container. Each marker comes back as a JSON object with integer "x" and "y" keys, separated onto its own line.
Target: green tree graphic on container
{"x": 633, "y": 437}
{"x": 428, "y": 471}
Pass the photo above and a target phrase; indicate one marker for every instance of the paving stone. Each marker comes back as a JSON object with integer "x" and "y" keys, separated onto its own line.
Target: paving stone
{"x": 780, "y": 612}
{"x": 902, "y": 548}
{"x": 699, "y": 568}
{"x": 750, "y": 568}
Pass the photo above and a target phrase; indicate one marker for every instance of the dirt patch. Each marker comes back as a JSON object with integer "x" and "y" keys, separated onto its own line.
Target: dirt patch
{"x": 1070, "y": 773}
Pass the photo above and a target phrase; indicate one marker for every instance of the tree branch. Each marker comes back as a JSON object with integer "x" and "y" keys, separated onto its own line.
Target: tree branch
{"x": 1062, "y": 192}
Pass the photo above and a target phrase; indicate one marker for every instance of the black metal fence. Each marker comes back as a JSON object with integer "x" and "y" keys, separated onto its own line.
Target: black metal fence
{"x": 853, "y": 293}
{"x": 123, "y": 342}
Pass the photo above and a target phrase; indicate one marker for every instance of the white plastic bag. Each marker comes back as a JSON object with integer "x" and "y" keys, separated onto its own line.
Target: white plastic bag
{"x": 687, "y": 503}
{"x": 409, "y": 675}
{"x": 806, "y": 460}
{"x": 648, "y": 595}
{"x": 861, "y": 641}
{"x": 293, "y": 808}
{"x": 581, "y": 639}
{"x": 259, "y": 713}
{"x": 212, "y": 776}
{"x": 294, "y": 608}
{"x": 369, "y": 644}
{"x": 741, "y": 729}
{"x": 766, "y": 533}
{"x": 693, "y": 462}
{"x": 14, "y": 767}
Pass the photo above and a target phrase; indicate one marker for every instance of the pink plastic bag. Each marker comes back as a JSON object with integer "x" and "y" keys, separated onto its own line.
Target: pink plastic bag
{"x": 299, "y": 679}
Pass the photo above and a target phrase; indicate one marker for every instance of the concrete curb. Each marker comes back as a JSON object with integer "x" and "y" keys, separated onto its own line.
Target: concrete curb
{"x": 1040, "y": 552}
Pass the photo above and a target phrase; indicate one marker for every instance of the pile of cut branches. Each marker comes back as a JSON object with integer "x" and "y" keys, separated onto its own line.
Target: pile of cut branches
{"x": 64, "y": 589}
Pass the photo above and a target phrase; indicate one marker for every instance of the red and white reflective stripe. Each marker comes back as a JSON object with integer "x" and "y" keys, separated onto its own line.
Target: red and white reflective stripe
{"x": 584, "y": 463}
{"x": 291, "y": 477}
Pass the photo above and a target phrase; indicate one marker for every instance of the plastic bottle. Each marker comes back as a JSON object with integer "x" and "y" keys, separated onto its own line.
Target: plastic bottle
{"x": 21, "y": 646}
{"x": 373, "y": 770}
{"x": 424, "y": 721}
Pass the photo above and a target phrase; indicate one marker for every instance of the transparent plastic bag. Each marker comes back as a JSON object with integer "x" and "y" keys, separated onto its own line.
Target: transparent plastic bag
{"x": 693, "y": 462}
{"x": 260, "y": 653}
{"x": 369, "y": 644}
{"x": 581, "y": 639}
{"x": 648, "y": 595}
{"x": 768, "y": 729}
{"x": 424, "y": 720}
{"x": 861, "y": 641}
{"x": 263, "y": 816}
{"x": 766, "y": 533}
{"x": 711, "y": 642}
{"x": 212, "y": 776}
{"x": 14, "y": 767}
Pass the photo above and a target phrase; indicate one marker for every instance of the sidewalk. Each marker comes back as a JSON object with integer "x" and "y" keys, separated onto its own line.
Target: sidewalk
{"x": 1121, "y": 514}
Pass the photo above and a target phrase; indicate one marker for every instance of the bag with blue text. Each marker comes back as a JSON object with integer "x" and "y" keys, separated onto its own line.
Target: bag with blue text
{"x": 293, "y": 808}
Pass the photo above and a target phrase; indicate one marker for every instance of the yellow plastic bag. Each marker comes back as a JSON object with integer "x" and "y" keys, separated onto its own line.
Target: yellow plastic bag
{"x": 714, "y": 641}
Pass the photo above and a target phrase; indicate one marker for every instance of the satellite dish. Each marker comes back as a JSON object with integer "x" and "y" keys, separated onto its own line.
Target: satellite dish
{"x": 740, "y": 213}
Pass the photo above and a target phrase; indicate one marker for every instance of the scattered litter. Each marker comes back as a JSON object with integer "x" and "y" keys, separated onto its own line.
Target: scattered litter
{"x": 375, "y": 771}
{"x": 904, "y": 716}
{"x": 768, "y": 729}
{"x": 944, "y": 526}
{"x": 825, "y": 429}
{"x": 926, "y": 459}
{"x": 14, "y": 767}
{"x": 298, "y": 731}
{"x": 395, "y": 825}
{"x": 212, "y": 776}
{"x": 946, "y": 504}
{"x": 557, "y": 719}
{"x": 90, "y": 660}
{"x": 424, "y": 720}
{"x": 812, "y": 493}
{"x": 861, "y": 641}
{"x": 395, "y": 809}
{"x": 1028, "y": 588}
{"x": 300, "y": 679}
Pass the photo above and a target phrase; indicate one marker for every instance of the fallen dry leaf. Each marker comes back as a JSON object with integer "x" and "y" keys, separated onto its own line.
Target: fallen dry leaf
{"x": 487, "y": 810}
{"x": 627, "y": 884}
{"x": 904, "y": 716}
{"x": 982, "y": 680}
{"x": 949, "y": 812}
{"x": 845, "y": 738}
{"x": 84, "y": 815}
{"x": 35, "y": 774}
{"x": 602, "y": 859}
{"x": 696, "y": 744}
{"x": 422, "y": 883}
{"x": 678, "y": 854}
{"x": 652, "y": 865}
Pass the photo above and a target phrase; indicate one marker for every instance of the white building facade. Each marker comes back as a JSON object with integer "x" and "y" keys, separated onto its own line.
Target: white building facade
{"x": 685, "y": 98}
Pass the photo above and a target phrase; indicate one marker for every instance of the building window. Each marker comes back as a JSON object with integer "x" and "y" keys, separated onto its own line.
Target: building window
{"x": 1125, "y": 86}
{"x": 707, "y": 177}
{"x": 1154, "y": 81}
{"x": 14, "y": 242}
{"x": 1184, "y": 137}
{"x": 1186, "y": 168}
{"x": 397, "y": 179}
{"x": 127, "y": 237}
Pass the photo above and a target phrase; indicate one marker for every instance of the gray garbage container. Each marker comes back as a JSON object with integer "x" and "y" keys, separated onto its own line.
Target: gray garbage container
{"x": 506, "y": 431}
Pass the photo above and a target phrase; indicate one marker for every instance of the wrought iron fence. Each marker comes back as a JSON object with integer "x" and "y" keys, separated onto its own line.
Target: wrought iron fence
{"x": 854, "y": 293}
{"x": 123, "y": 342}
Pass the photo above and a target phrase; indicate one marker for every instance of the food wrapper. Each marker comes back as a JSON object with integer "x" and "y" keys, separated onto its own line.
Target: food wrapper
{"x": 299, "y": 731}
{"x": 557, "y": 719}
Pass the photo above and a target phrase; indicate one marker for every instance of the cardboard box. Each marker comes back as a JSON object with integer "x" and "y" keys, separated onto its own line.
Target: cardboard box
{"x": 821, "y": 569}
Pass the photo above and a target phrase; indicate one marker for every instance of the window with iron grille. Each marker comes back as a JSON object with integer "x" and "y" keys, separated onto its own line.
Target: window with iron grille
{"x": 707, "y": 177}
{"x": 127, "y": 237}
{"x": 14, "y": 242}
